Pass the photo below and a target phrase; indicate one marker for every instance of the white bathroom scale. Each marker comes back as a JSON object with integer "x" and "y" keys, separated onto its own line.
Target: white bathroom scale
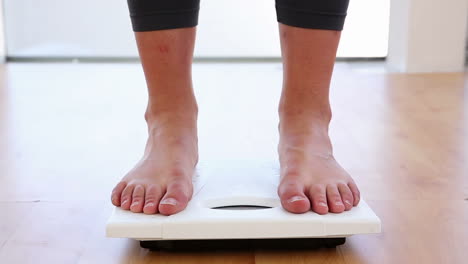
{"x": 235, "y": 205}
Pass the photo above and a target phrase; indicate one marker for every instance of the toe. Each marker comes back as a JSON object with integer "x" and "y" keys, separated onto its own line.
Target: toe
{"x": 334, "y": 199}
{"x": 318, "y": 198}
{"x": 117, "y": 192}
{"x": 176, "y": 198}
{"x": 346, "y": 196}
{"x": 152, "y": 197}
{"x": 137, "y": 199}
{"x": 355, "y": 191}
{"x": 126, "y": 199}
{"x": 293, "y": 198}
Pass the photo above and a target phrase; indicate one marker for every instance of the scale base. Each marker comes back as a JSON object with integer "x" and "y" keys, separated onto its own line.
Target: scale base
{"x": 243, "y": 244}
{"x": 235, "y": 205}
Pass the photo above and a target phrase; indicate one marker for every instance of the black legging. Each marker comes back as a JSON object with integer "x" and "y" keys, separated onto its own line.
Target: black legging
{"x": 148, "y": 15}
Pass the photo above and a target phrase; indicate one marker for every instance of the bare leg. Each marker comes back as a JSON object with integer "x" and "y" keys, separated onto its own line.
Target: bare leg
{"x": 162, "y": 180}
{"x": 310, "y": 176}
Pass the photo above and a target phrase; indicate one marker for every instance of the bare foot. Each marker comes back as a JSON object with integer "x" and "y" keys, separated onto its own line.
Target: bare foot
{"x": 310, "y": 176}
{"x": 162, "y": 180}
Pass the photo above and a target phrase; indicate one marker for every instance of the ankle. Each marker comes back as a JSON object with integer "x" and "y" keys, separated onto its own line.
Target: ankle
{"x": 176, "y": 108}
{"x": 296, "y": 132}
{"x": 187, "y": 116}
{"x": 307, "y": 103}
{"x": 297, "y": 121}
{"x": 314, "y": 117}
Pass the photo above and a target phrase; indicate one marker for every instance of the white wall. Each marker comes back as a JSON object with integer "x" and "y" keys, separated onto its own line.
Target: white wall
{"x": 427, "y": 35}
{"x": 2, "y": 35}
{"x": 227, "y": 28}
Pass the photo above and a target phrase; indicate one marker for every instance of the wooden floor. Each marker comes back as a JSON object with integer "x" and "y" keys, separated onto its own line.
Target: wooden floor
{"x": 68, "y": 132}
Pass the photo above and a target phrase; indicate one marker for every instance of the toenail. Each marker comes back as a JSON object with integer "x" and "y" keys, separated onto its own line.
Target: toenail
{"x": 149, "y": 204}
{"x": 170, "y": 201}
{"x": 124, "y": 202}
{"x": 295, "y": 198}
{"x": 322, "y": 204}
{"x": 347, "y": 202}
{"x": 136, "y": 203}
{"x": 338, "y": 203}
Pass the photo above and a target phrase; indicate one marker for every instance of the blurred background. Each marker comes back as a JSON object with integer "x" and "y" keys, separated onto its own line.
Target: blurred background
{"x": 101, "y": 29}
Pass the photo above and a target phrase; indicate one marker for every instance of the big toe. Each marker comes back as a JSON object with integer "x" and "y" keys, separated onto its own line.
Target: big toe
{"x": 293, "y": 198}
{"x": 177, "y": 196}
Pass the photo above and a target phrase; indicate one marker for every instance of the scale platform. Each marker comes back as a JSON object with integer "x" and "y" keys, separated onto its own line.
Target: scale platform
{"x": 235, "y": 206}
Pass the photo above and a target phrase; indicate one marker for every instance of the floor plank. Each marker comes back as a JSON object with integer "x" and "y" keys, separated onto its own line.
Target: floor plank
{"x": 68, "y": 132}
